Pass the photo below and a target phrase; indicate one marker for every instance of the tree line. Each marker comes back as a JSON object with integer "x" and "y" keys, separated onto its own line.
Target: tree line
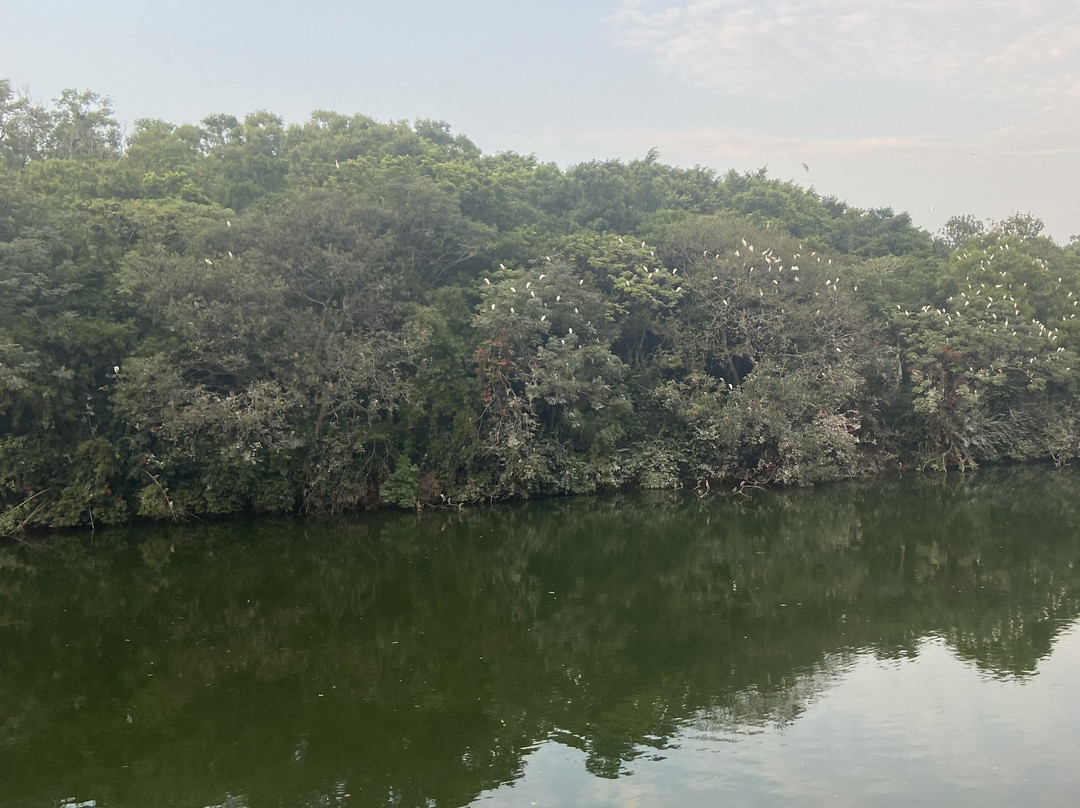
{"x": 245, "y": 316}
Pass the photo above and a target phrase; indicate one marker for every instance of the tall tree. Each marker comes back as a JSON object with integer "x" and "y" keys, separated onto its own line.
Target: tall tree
{"x": 24, "y": 126}
{"x": 83, "y": 125}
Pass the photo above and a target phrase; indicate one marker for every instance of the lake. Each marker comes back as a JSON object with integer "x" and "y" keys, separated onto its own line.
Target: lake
{"x": 905, "y": 641}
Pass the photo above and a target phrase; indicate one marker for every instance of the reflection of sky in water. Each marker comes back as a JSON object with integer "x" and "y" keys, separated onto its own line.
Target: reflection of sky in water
{"x": 922, "y": 730}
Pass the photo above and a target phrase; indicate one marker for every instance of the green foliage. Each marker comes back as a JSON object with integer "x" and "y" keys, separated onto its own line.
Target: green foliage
{"x": 23, "y": 127}
{"x": 987, "y": 388}
{"x": 239, "y": 315}
{"x": 402, "y": 487}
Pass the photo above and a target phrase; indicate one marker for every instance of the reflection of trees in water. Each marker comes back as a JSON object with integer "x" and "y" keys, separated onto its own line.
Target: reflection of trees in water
{"x": 752, "y": 709}
{"x": 423, "y": 658}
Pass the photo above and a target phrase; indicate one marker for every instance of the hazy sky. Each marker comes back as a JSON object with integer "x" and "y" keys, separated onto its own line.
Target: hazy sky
{"x": 937, "y": 107}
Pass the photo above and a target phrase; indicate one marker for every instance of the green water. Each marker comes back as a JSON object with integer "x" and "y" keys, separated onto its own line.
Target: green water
{"x": 906, "y": 642}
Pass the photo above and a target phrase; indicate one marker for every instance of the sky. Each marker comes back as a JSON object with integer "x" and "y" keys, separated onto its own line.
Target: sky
{"x": 935, "y": 107}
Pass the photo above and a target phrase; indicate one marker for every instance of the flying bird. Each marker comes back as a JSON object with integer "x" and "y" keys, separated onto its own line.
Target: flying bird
{"x": 805, "y": 167}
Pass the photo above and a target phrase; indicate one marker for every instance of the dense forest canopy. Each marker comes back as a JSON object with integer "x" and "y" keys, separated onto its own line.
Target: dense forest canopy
{"x": 248, "y": 316}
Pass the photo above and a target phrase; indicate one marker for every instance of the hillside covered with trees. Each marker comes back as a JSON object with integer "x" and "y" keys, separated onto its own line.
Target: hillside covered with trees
{"x": 244, "y": 316}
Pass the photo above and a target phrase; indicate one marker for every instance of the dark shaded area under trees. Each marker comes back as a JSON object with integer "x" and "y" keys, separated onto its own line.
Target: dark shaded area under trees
{"x": 246, "y": 316}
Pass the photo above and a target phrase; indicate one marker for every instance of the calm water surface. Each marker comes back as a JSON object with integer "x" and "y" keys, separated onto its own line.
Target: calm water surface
{"x": 911, "y": 641}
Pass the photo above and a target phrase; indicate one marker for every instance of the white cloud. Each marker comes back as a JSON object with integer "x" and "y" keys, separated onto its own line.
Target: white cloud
{"x": 1027, "y": 53}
